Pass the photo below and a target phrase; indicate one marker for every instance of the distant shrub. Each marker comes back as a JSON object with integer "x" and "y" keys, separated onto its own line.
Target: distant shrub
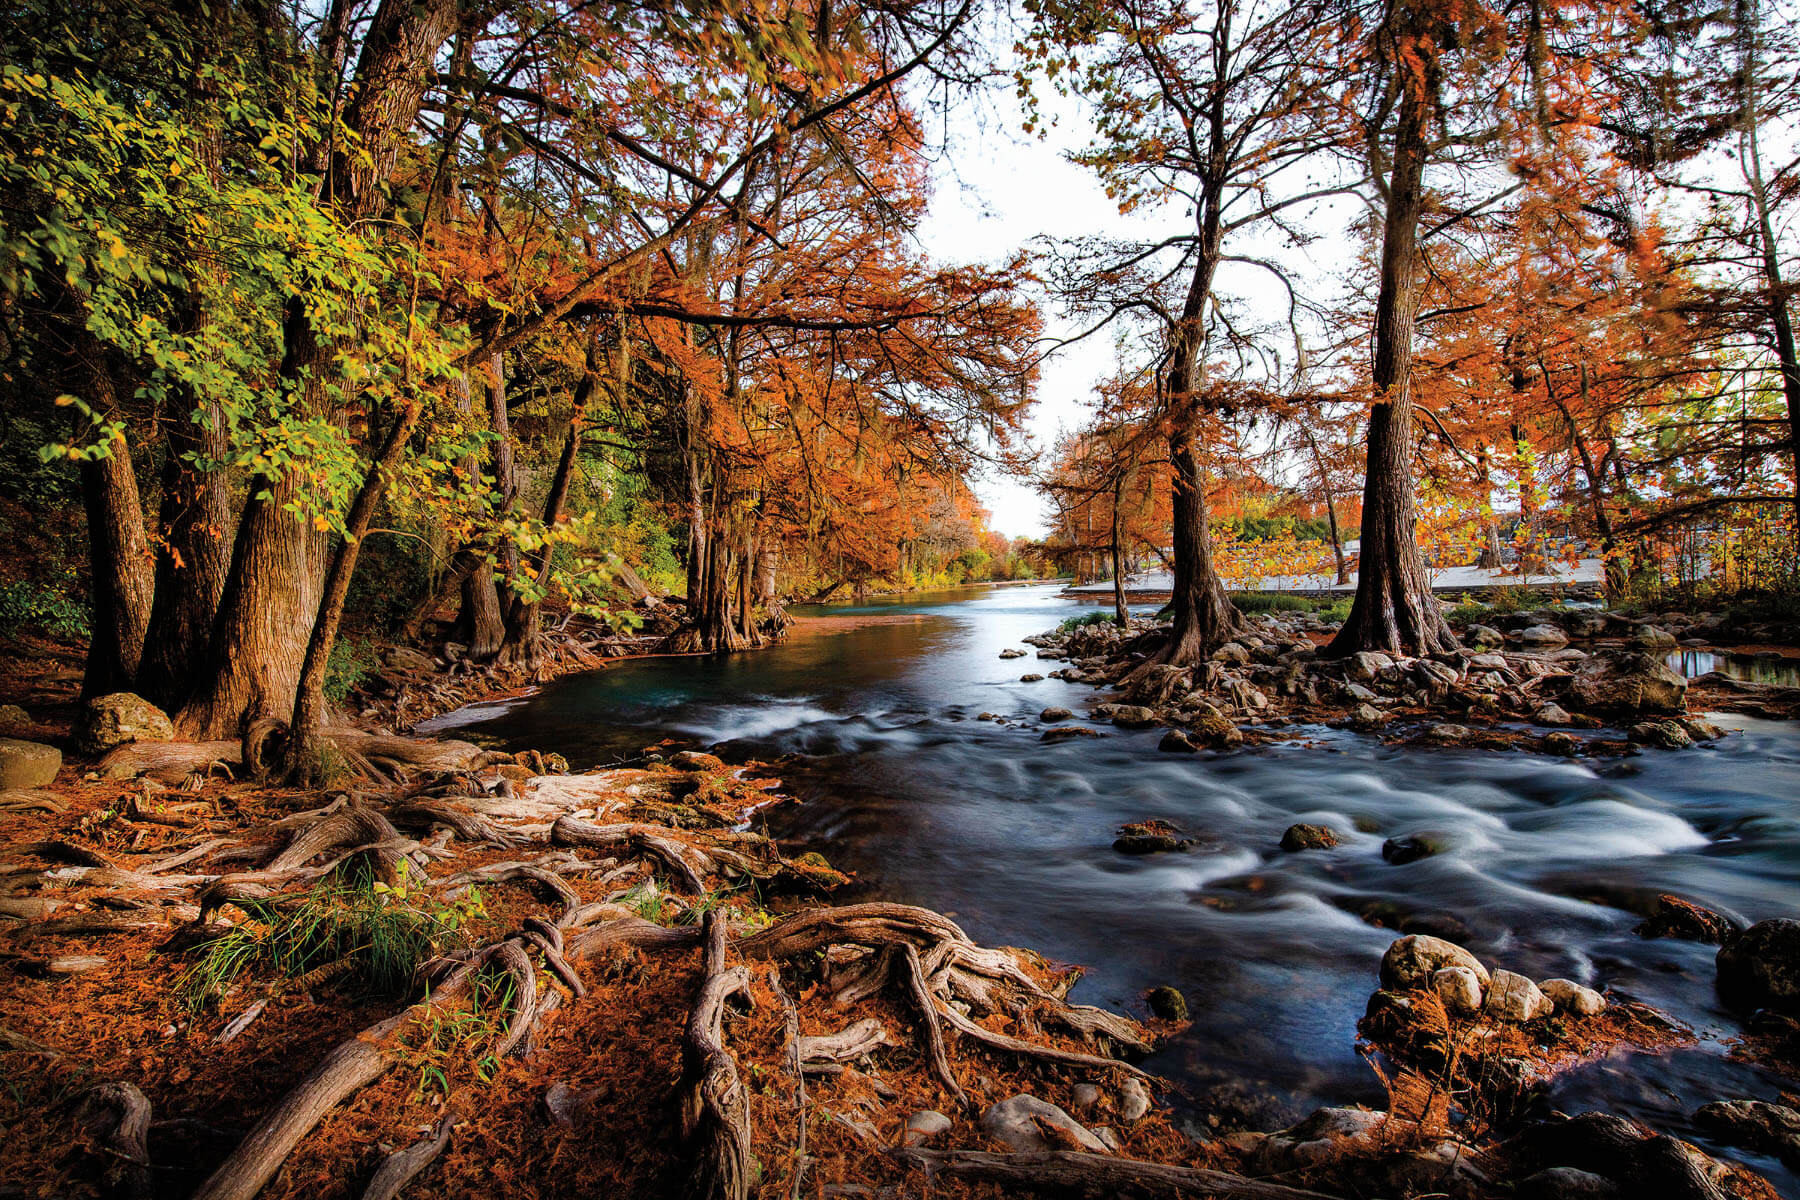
{"x": 1270, "y": 602}
{"x": 352, "y": 661}
{"x": 1070, "y": 624}
{"x": 50, "y": 608}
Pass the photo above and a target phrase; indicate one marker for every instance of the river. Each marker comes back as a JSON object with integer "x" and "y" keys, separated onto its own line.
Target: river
{"x": 874, "y": 712}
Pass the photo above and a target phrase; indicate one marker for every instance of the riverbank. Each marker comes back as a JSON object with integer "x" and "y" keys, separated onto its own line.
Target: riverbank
{"x": 170, "y": 1004}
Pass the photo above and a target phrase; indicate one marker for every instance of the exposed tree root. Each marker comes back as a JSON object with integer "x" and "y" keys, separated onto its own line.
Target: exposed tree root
{"x": 715, "y": 1113}
{"x": 398, "y": 1169}
{"x": 1100, "y": 1176}
{"x": 124, "y": 1113}
{"x": 920, "y": 990}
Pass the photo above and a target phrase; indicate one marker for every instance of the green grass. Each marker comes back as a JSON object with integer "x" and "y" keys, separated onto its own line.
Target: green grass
{"x": 355, "y": 933}
{"x": 1270, "y": 602}
{"x": 1071, "y": 624}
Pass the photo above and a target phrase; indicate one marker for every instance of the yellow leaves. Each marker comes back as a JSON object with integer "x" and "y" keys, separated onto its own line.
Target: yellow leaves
{"x": 321, "y": 522}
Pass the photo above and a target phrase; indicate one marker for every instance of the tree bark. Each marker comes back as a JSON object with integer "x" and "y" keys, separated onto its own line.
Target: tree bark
{"x": 302, "y": 758}
{"x": 261, "y": 633}
{"x": 118, "y": 552}
{"x": 1394, "y": 609}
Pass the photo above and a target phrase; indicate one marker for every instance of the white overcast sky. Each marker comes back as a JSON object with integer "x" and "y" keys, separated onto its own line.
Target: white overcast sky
{"x": 994, "y": 189}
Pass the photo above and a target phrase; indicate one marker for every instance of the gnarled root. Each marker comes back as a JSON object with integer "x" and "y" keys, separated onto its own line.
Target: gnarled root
{"x": 127, "y": 1124}
{"x": 715, "y": 1112}
{"x": 397, "y": 1169}
{"x": 1075, "y": 1173}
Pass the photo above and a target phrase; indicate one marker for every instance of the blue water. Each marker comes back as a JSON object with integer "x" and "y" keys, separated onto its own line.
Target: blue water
{"x": 875, "y": 729}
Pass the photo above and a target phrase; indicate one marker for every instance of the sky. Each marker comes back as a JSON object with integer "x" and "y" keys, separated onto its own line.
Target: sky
{"x": 996, "y": 188}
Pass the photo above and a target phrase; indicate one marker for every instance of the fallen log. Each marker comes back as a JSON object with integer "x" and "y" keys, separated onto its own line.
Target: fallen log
{"x": 1097, "y": 1176}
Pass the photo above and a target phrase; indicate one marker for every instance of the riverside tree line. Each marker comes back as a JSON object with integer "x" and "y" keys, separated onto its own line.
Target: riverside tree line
{"x": 288, "y": 283}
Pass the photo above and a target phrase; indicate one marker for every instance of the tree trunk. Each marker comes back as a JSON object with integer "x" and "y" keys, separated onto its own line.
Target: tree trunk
{"x": 261, "y": 633}
{"x": 1121, "y": 614}
{"x": 119, "y": 557}
{"x": 506, "y": 484}
{"x": 1394, "y": 609}
{"x": 303, "y": 761}
{"x": 525, "y": 620}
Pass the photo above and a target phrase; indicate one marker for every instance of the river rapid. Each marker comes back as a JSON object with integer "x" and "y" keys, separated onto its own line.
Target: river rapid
{"x": 874, "y": 712}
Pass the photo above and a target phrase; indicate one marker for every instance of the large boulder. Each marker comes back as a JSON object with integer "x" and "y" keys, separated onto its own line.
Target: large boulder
{"x": 108, "y": 721}
{"x": 1754, "y": 1125}
{"x": 1543, "y": 637}
{"x": 1309, "y": 837}
{"x": 1625, "y": 682}
{"x": 1411, "y": 961}
{"x": 27, "y": 765}
{"x": 1760, "y": 967}
{"x": 1674, "y": 917}
{"x": 1027, "y": 1125}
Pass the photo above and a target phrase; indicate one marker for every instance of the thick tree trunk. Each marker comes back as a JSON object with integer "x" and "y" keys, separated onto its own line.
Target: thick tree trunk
{"x": 1394, "y": 609}
{"x": 271, "y": 596}
{"x": 119, "y": 557}
{"x": 506, "y": 480}
{"x": 193, "y": 558}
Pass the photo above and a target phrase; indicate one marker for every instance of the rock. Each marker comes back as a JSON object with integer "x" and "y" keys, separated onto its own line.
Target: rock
{"x": 1365, "y": 665}
{"x": 696, "y": 760}
{"x": 108, "y": 721}
{"x": 1754, "y": 1125}
{"x": 1512, "y": 997}
{"x": 1566, "y": 745}
{"x": 1086, "y": 1096}
{"x": 1411, "y": 961}
{"x": 1329, "y": 1134}
{"x": 1010, "y": 653}
{"x": 1168, "y": 1004}
{"x": 1233, "y": 653}
{"x": 1759, "y": 967}
{"x": 1064, "y": 733}
{"x": 1367, "y": 718}
{"x": 1108, "y": 1138}
{"x": 1652, "y": 638}
{"x": 1410, "y": 847}
{"x": 13, "y": 719}
{"x": 404, "y": 658}
{"x": 1673, "y": 917}
{"x": 1443, "y": 733}
{"x": 1543, "y": 637}
{"x": 1027, "y": 1125}
{"x": 1488, "y": 662}
{"x": 1666, "y": 735}
{"x": 1552, "y": 713}
{"x": 1215, "y": 731}
{"x": 1175, "y": 741}
{"x": 1701, "y": 730}
{"x": 1570, "y": 997}
{"x": 1459, "y": 988}
{"x": 1134, "y": 1099}
{"x": 1626, "y": 682}
{"x": 1566, "y": 1183}
{"x": 1031, "y": 677}
{"x": 1053, "y": 714}
{"x": 1308, "y": 837}
{"x": 1133, "y": 716}
{"x": 1148, "y": 837}
{"x": 27, "y": 765}
{"x": 1483, "y": 637}
{"x": 924, "y": 1125}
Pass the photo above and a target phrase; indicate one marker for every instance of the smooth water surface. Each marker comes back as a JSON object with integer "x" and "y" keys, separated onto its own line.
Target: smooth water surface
{"x": 1276, "y": 953}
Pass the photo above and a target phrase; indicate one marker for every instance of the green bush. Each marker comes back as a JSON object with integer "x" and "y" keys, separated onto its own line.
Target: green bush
{"x": 352, "y": 661}
{"x": 1271, "y": 602}
{"x": 1097, "y": 617}
{"x": 51, "y": 608}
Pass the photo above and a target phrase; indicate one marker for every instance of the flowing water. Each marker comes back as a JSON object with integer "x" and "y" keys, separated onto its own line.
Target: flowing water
{"x": 875, "y": 710}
